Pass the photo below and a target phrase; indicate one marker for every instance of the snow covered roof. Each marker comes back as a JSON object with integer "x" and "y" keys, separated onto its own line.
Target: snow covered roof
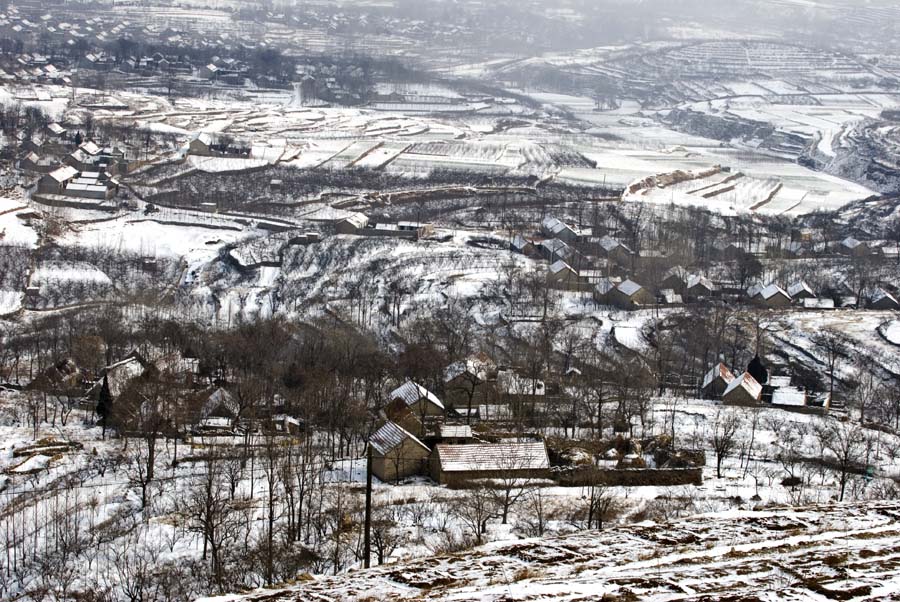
{"x": 219, "y": 400}
{"x": 850, "y": 243}
{"x": 357, "y": 220}
{"x": 629, "y": 288}
{"x": 90, "y": 148}
{"x": 554, "y": 245}
{"x": 604, "y": 286}
{"x": 800, "y": 287}
{"x": 391, "y": 436}
{"x": 789, "y": 396}
{"x": 748, "y": 383}
{"x": 669, "y": 296}
{"x": 560, "y": 266}
{"x": 879, "y": 294}
{"x": 520, "y": 242}
{"x": 63, "y": 174}
{"x": 411, "y": 393}
{"x": 555, "y": 226}
{"x": 771, "y": 291}
{"x": 817, "y": 303}
{"x": 754, "y": 290}
{"x": 56, "y": 129}
{"x": 720, "y": 370}
{"x": 609, "y": 243}
{"x": 701, "y": 281}
{"x": 678, "y": 272}
{"x": 493, "y": 456}
{"x": 455, "y": 431}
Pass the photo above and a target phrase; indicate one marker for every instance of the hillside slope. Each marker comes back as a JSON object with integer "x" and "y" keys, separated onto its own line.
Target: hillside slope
{"x": 834, "y": 552}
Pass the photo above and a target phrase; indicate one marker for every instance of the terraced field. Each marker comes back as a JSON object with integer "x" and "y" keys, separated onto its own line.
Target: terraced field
{"x": 833, "y": 552}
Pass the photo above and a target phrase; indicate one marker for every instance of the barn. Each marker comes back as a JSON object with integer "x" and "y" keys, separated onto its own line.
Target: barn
{"x": 458, "y": 465}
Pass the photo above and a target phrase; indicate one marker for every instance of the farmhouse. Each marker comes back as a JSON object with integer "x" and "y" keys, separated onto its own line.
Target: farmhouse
{"x": 630, "y": 295}
{"x": 881, "y": 299}
{"x": 561, "y": 275}
{"x": 675, "y": 278}
{"x": 465, "y": 379}
{"x": 773, "y": 297}
{"x": 352, "y": 224}
{"x": 397, "y": 453}
{"x": 554, "y": 250}
{"x": 602, "y": 290}
{"x": 554, "y": 228}
{"x": 415, "y": 398}
{"x": 742, "y": 391}
{"x": 800, "y": 290}
{"x": 854, "y": 248}
{"x": 699, "y": 287}
{"x": 56, "y": 181}
{"x": 458, "y": 465}
{"x": 613, "y": 249}
{"x": 522, "y": 245}
{"x": 716, "y": 381}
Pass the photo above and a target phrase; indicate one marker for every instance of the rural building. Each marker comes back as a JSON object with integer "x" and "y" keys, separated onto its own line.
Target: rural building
{"x": 789, "y": 397}
{"x": 201, "y": 145}
{"x": 817, "y": 303}
{"x": 554, "y": 250}
{"x": 881, "y": 299}
{"x": 352, "y": 224}
{"x": 699, "y": 287}
{"x": 742, "y": 391}
{"x": 56, "y": 181}
{"x": 397, "y": 453}
{"x": 455, "y": 434}
{"x": 613, "y": 249}
{"x": 458, "y": 465}
{"x": 602, "y": 290}
{"x": 416, "y": 399}
{"x": 668, "y": 296}
{"x": 800, "y": 290}
{"x": 522, "y": 245}
{"x": 854, "y": 248}
{"x": 554, "y": 228}
{"x": 716, "y": 381}
{"x": 630, "y": 295}
{"x": 675, "y": 278}
{"x": 773, "y": 297}
{"x": 561, "y": 275}
{"x": 468, "y": 377}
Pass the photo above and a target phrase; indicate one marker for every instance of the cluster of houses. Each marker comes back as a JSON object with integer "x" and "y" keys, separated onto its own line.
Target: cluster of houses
{"x": 755, "y": 386}
{"x": 414, "y": 438}
{"x": 68, "y": 181}
{"x": 579, "y": 261}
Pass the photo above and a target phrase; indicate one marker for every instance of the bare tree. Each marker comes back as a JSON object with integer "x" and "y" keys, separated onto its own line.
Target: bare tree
{"x": 726, "y": 426}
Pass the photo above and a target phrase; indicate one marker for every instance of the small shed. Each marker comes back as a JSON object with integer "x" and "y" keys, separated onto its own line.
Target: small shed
{"x": 397, "y": 453}
{"x": 630, "y": 295}
{"x": 458, "y": 465}
{"x": 352, "y": 224}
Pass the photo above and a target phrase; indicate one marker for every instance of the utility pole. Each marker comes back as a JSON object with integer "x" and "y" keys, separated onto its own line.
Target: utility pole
{"x": 367, "y": 541}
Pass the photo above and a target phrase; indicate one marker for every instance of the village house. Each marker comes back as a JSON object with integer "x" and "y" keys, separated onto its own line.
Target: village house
{"x": 520, "y": 244}
{"x": 716, "y": 381}
{"x": 467, "y": 378}
{"x": 668, "y": 296}
{"x": 742, "y": 391}
{"x": 699, "y": 287}
{"x": 554, "y": 228}
{"x": 676, "y": 278}
{"x": 773, "y": 297}
{"x": 612, "y": 249}
{"x": 459, "y": 465}
{"x": 853, "y": 247}
{"x": 630, "y": 295}
{"x": 800, "y": 290}
{"x": 602, "y": 290}
{"x": 352, "y": 224}
{"x": 555, "y": 250}
{"x": 397, "y": 453}
{"x": 561, "y": 275}
{"x": 414, "y": 407}
{"x": 881, "y": 299}
{"x": 56, "y": 181}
